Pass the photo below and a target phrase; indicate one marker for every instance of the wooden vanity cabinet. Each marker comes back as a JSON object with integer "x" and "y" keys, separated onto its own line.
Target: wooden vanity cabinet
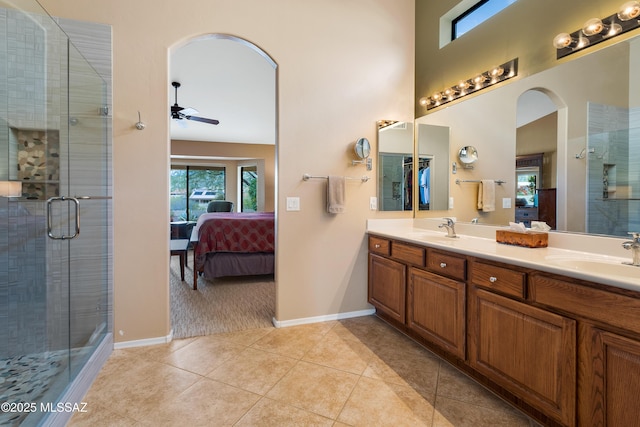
{"x": 608, "y": 346}
{"x": 388, "y": 264}
{"x": 564, "y": 350}
{"x": 526, "y": 350}
{"x": 609, "y": 382}
{"x": 387, "y": 286}
{"x": 436, "y": 310}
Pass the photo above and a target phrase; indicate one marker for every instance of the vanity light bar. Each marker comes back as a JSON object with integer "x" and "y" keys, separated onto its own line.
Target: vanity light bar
{"x": 466, "y": 87}
{"x": 597, "y": 30}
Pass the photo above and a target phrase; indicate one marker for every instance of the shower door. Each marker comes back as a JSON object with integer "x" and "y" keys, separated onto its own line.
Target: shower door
{"x": 85, "y": 176}
{"x": 55, "y": 233}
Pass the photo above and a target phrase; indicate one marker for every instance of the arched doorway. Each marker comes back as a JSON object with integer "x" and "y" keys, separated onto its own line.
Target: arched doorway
{"x": 540, "y": 158}
{"x": 233, "y": 81}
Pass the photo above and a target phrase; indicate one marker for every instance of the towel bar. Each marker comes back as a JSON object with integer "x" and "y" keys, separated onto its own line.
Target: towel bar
{"x": 460, "y": 181}
{"x": 307, "y": 177}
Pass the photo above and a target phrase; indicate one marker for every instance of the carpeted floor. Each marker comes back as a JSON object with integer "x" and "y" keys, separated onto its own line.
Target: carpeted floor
{"x": 222, "y": 305}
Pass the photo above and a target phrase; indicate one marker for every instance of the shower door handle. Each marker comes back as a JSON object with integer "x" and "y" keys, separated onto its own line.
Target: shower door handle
{"x": 76, "y": 205}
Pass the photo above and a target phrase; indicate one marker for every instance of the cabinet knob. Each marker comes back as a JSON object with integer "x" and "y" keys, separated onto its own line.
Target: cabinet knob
{"x": 443, "y": 264}
{"x": 377, "y": 245}
{"x": 493, "y": 279}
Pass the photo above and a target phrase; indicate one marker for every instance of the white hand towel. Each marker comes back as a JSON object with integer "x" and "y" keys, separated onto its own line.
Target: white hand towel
{"x": 487, "y": 195}
{"x": 336, "y": 194}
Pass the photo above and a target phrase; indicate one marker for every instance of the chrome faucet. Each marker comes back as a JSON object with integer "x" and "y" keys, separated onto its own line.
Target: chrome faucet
{"x": 450, "y": 225}
{"x": 634, "y": 247}
{"x": 475, "y": 220}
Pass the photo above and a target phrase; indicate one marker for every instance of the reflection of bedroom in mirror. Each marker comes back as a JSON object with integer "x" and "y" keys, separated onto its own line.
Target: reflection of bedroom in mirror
{"x": 535, "y": 200}
{"x": 536, "y": 159}
{"x": 424, "y": 182}
{"x": 395, "y": 165}
{"x": 433, "y": 167}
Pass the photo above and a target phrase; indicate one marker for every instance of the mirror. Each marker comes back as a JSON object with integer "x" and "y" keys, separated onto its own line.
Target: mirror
{"x": 399, "y": 175}
{"x": 595, "y": 134}
{"x": 362, "y": 148}
{"x": 395, "y": 165}
{"x": 468, "y": 156}
{"x": 433, "y": 168}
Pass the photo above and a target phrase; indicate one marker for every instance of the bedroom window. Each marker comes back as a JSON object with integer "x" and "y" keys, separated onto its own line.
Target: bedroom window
{"x": 249, "y": 181}
{"x": 192, "y": 188}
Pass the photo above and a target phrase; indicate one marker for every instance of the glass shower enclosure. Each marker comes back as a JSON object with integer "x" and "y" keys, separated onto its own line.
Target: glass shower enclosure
{"x": 613, "y": 168}
{"x": 55, "y": 220}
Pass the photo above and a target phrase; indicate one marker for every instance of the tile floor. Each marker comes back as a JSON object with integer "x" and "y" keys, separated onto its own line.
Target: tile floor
{"x": 355, "y": 372}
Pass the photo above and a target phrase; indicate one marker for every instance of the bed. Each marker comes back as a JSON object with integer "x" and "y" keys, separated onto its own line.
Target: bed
{"x": 233, "y": 244}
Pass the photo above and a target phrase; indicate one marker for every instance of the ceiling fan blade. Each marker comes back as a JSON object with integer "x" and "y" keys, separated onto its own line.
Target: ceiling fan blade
{"x": 202, "y": 119}
{"x": 188, "y": 111}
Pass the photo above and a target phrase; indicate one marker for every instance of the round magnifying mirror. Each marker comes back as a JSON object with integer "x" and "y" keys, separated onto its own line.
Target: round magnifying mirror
{"x": 362, "y": 148}
{"x": 468, "y": 155}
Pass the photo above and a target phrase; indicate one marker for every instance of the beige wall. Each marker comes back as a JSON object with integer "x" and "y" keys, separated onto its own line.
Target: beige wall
{"x": 341, "y": 66}
{"x": 263, "y": 152}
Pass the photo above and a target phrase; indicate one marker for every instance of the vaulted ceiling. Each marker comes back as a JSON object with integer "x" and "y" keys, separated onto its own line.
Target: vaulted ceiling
{"x": 229, "y": 80}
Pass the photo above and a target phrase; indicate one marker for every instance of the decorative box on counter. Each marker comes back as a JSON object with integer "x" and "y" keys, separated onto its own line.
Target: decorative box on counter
{"x": 529, "y": 239}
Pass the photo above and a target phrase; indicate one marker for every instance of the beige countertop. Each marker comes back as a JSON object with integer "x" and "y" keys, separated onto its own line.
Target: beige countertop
{"x": 594, "y": 258}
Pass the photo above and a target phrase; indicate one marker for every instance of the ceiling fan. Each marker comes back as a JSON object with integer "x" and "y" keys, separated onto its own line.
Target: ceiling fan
{"x": 179, "y": 113}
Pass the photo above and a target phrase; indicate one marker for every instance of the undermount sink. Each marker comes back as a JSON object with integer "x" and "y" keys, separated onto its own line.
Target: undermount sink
{"x": 432, "y": 237}
{"x": 597, "y": 266}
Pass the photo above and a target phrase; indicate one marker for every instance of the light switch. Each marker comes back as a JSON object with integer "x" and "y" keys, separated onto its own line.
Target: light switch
{"x": 450, "y": 202}
{"x": 293, "y": 203}
{"x": 506, "y": 202}
{"x": 373, "y": 203}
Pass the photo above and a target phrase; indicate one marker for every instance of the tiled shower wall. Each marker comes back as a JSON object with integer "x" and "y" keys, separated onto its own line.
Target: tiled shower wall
{"x": 23, "y": 86}
{"x": 611, "y": 169}
{"x": 33, "y": 299}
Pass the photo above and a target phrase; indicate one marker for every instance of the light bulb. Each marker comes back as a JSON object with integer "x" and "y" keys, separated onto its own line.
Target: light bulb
{"x": 479, "y": 79}
{"x": 496, "y": 72}
{"x": 562, "y": 40}
{"x": 450, "y": 92}
{"x": 424, "y": 101}
{"x": 436, "y": 96}
{"x": 629, "y": 10}
{"x": 464, "y": 85}
{"x": 592, "y": 27}
{"x": 613, "y": 30}
{"x": 582, "y": 42}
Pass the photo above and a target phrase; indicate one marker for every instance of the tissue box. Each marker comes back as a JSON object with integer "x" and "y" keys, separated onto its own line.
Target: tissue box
{"x": 529, "y": 239}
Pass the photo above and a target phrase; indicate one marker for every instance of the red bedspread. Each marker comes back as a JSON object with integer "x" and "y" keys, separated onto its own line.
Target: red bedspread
{"x": 235, "y": 232}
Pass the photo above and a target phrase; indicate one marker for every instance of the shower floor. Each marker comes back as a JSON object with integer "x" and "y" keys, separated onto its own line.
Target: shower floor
{"x": 27, "y": 379}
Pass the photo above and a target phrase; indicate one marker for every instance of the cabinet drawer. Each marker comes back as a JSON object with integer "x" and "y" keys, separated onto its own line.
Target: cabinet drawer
{"x": 408, "y": 253}
{"x": 601, "y": 305}
{"x": 447, "y": 265}
{"x": 379, "y": 246}
{"x": 499, "y": 279}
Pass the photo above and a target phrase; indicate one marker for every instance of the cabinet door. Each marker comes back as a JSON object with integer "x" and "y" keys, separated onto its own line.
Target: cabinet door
{"x": 609, "y": 381}
{"x": 387, "y": 286}
{"x": 436, "y": 310}
{"x": 526, "y": 350}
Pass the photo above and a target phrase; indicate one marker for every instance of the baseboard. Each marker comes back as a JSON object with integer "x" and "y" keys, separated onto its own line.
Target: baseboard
{"x": 318, "y": 319}
{"x": 144, "y": 342}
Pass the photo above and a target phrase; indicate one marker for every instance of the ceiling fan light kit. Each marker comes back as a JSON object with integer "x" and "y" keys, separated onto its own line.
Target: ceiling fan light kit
{"x": 180, "y": 113}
